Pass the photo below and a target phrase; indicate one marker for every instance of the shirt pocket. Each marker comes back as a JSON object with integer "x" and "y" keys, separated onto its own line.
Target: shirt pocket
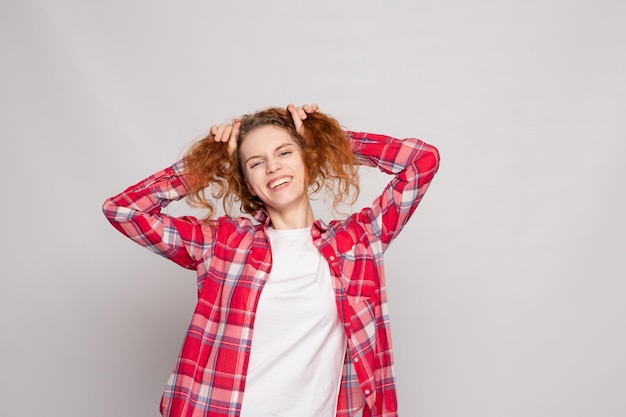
{"x": 361, "y": 270}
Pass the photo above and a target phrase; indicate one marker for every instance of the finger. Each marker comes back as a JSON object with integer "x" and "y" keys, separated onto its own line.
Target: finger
{"x": 315, "y": 107}
{"x": 217, "y": 132}
{"x": 294, "y": 110}
{"x": 234, "y": 135}
{"x": 299, "y": 112}
{"x": 234, "y": 131}
{"x": 223, "y": 133}
{"x": 297, "y": 120}
{"x": 226, "y": 135}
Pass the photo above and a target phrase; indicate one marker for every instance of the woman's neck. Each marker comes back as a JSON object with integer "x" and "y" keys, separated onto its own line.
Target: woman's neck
{"x": 292, "y": 219}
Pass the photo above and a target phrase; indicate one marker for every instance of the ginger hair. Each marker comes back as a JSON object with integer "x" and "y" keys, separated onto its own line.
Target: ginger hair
{"x": 329, "y": 161}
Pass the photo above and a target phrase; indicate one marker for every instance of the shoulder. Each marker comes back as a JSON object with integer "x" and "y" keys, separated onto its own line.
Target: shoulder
{"x": 236, "y": 230}
{"x": 347, "y": 232}
{"x": 240, "y": 224}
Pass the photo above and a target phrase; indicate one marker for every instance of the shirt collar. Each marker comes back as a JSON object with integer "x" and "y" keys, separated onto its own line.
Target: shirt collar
{"x": 321, "y": 225}
{"x": 263, "y": 217}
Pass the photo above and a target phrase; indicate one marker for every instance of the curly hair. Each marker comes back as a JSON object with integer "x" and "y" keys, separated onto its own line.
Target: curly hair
{"x": 329, "y": 163}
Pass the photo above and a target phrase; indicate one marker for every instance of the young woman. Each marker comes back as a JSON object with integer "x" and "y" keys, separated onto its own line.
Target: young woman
{"x": 291, "y": 318}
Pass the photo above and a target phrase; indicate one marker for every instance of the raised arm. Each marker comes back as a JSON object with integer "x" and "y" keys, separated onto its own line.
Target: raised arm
{"x": 136, "y": 212}
{"x": 412, "y": 162}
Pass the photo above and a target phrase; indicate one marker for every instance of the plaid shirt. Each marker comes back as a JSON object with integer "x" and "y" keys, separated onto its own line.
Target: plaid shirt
{"x": 233, "y": 259}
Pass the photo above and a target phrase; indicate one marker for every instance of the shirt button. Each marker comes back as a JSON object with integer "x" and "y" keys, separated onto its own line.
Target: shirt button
{"x": 367, "y": 392}
{"x": 356, "y": 360}
{"x": 332, "y": 258}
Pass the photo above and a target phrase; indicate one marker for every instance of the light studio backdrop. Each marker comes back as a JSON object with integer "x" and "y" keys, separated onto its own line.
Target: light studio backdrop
{"x": 506, "y": 288}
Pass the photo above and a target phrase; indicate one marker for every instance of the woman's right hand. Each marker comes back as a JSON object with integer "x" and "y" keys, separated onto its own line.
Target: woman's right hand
{"x": 227, "y": 132}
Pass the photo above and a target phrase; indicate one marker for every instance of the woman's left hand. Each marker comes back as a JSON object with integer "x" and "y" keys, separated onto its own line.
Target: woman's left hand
{"x": 300, "y": 113}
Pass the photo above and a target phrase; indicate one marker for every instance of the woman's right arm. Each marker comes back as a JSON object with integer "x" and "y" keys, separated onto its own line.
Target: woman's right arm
{"x": 136, "y": 212}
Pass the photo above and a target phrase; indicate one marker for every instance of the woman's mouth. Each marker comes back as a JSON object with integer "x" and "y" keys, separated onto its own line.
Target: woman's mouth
{"x": 278, "y": 182}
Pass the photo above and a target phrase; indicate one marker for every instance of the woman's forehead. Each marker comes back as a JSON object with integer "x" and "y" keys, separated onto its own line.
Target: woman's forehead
{"x": 265, "y": 138}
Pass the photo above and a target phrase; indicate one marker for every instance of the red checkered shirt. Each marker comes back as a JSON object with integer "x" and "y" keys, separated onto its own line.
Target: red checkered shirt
{"x": 233, "y": 259}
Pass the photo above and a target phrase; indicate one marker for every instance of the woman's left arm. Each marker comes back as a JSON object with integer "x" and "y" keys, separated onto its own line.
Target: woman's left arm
{"x": 412, "y": 162}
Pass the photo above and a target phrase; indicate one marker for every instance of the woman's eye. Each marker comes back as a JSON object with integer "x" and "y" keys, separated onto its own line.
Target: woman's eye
{"x": 285, "y": 153}
{"x": 254, "y": 164}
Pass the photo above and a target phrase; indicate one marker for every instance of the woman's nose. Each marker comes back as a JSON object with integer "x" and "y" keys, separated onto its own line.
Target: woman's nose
{"x": 272, "y": 165}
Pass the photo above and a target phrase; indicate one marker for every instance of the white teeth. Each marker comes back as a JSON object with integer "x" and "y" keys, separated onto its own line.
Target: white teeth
{"x": 279, "y": 182}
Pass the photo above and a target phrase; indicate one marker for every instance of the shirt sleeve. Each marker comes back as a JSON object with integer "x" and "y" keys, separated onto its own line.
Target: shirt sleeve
{"x": 136, "y": 212}
{"x": 413, "y": 164}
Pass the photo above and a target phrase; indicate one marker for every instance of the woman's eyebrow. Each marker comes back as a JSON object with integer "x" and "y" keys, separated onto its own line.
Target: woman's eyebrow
{"x": 278, "y": 148}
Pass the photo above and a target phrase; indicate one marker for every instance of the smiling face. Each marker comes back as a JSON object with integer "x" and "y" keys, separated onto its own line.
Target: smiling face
{"x": 274, "y": 172}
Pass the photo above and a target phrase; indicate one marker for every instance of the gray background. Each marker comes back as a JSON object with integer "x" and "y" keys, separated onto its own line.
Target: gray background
{"x": 507, "y": 287}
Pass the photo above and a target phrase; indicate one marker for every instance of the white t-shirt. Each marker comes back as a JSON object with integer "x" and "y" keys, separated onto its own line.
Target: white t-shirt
{"x": 298, "y": 343}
